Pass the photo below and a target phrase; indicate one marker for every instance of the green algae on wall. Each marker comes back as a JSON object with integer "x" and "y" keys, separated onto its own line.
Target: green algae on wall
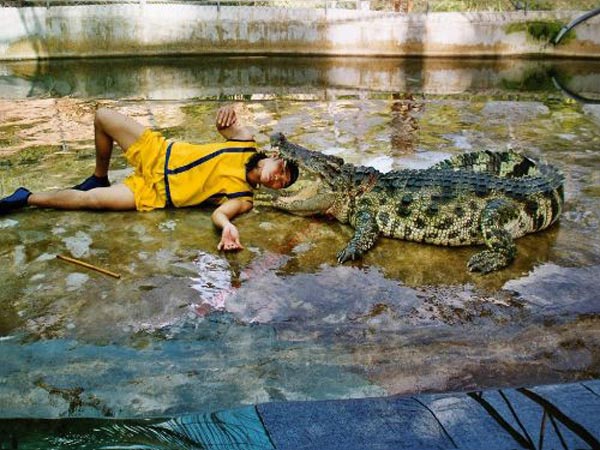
{"x": 123, "y": 30}
{"x": 544, "y": 31}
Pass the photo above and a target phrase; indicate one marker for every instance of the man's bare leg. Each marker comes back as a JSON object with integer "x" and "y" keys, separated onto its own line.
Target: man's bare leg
{"x": 109, "y": 127}
{"x": 114, "y": 198}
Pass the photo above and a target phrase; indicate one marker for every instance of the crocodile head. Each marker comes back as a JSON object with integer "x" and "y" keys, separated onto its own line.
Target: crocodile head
{"x": 327, "y": 193}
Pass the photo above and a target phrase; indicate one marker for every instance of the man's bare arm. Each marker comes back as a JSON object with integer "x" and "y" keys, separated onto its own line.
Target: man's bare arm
{"x": 229, "y": 126}
{"x": 222, "y": 217}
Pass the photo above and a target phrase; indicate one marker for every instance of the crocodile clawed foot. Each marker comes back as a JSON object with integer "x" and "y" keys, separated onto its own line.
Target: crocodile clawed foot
{"x": 350, "y": 252}
{"x": 487, "y": 261}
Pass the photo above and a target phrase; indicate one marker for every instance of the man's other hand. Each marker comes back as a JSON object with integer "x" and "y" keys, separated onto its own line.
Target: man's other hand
{"x": 230, "y": 239}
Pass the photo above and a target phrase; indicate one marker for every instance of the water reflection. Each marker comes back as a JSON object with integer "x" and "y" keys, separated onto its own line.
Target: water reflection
{"x": 256, "y": 78}
{"x": 568, "y": 91}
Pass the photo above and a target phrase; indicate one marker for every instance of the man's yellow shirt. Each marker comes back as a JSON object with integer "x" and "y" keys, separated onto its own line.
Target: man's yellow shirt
{"x": 195, "y": 173}
{"x": 181, "y": 174}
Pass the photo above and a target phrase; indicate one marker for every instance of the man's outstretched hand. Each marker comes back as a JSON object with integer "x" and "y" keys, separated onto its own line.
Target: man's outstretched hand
{"x": 230, "y": 238}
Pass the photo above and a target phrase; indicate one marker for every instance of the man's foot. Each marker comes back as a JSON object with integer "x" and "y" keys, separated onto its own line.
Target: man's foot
{"x": 16, "y": 200}
{"x": 92, "y": 183}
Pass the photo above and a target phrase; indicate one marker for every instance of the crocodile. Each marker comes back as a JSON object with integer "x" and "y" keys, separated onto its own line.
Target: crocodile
{"x": 476, "y": 198}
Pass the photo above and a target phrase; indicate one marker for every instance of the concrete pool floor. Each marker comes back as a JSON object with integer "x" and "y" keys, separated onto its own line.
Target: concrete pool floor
{"x": 187, "y": 329}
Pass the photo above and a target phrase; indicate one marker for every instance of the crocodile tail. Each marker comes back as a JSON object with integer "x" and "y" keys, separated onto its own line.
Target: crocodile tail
{"x": 503, "y": 164}
{"x": 555, "y": 192}
{"x": 543, "y": 182}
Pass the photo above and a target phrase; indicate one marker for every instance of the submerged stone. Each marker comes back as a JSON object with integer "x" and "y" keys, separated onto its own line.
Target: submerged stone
{"x": 8, "y": 223}
{"x": 76, "y": 281}
{"x": 79, "y": 244}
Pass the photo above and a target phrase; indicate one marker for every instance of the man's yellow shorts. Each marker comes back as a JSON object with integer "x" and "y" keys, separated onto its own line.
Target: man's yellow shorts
{"x": 147, "y": 157}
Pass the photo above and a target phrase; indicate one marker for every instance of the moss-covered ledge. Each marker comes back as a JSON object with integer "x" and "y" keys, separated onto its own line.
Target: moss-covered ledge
{"x": 117, "y": 30}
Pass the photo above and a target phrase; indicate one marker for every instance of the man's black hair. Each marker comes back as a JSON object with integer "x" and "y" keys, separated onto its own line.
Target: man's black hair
{"x": 254, "y": 159}
{"x": 294, "y": 172}
{"x": 292, "y": 167}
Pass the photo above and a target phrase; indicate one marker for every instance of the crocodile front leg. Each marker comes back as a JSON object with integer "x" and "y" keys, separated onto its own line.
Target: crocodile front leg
{"x": 366, "y": 233}
{"x": 495, "y": 221}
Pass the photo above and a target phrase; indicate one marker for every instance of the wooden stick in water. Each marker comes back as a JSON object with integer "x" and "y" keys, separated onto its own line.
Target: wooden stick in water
{"x": 89, "y": 266}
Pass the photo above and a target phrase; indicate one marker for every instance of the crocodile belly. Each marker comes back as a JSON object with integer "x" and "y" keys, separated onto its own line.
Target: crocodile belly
{"x": 420, "y": 219}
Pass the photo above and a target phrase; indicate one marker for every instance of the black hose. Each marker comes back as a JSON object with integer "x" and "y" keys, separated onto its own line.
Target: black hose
{"x": 564, "y": 30}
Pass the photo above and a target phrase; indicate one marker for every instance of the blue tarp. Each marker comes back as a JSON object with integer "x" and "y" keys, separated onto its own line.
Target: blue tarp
{"x": 563, "y": 416}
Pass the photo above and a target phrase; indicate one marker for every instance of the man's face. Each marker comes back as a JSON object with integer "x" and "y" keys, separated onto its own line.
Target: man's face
{"x": 275, "y": 174}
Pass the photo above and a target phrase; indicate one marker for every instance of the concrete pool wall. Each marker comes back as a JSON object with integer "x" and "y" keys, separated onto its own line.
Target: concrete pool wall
{"x": 160, "y": 29}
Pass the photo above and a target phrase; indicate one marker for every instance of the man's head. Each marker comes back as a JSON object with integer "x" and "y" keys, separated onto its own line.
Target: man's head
{"x": 273, "y": 172}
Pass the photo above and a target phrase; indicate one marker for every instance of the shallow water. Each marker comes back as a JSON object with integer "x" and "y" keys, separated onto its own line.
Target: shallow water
{"x": 187, "y": 328}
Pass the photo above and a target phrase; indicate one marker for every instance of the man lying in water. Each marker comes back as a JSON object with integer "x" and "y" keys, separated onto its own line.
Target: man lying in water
{"x": 170, "y": 174}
